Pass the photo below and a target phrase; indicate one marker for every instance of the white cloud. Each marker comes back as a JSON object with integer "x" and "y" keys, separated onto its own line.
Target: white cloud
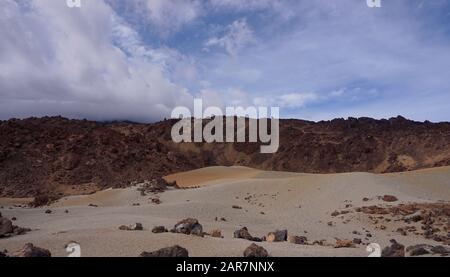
{"x": 57, "y": 60}
{"x": 289, "y": 100}
{"x": 238, "y": 35}
{"x": 164, "y": 16}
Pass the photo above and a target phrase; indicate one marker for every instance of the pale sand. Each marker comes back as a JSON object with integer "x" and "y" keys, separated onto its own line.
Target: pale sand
{"x": 297, "y": 202}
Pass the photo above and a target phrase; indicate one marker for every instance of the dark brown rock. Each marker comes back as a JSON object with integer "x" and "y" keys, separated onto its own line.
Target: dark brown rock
{"x": 6, "y": 226}
{"x": 243, "y": 233}
{"x": 389, "y": 198}
{"x": 159, "y": 230}
{"x": 418, "y": 250}
{"x": 168, "y": 252}
{"x": 395, "y": 250}
{"x": 30, "y": 251}
{"x": 255, "y": 251}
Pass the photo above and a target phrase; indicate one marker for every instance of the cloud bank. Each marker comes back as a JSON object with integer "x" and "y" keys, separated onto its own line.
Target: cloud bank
{"x": 138, "y": 59}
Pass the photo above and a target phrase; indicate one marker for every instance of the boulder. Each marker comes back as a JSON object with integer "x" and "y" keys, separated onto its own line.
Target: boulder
{"x": 31, "y": 251}
{"x": 159, "y": 230}
{"x": 255, "y": 251}
{"x": 189, "y": 226}
{"x": 168, "y": 252}
{"x": 395, "y": 250}
{"x": 440, "y": 250}
{"x": 6, "y": 226}
{"x": 277, "y": 236}
{"x": 243, "y": 233}
{"x": 357, "y": 241}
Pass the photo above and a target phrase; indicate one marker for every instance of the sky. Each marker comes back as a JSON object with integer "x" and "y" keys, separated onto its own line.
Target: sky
{"x": 138, "y": 59}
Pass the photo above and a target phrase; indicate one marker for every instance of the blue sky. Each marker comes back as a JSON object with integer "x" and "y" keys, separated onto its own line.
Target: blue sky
{"x": 137, "y": 59}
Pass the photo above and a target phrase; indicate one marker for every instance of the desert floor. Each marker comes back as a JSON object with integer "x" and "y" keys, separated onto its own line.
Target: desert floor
{"x": 300, "y": 203}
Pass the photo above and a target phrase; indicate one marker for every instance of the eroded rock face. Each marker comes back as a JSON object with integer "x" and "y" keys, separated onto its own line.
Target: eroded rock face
{"x": 389, "y": 198}
{"x": 31, "y": 251}
{"x": 114, "y": 154}
{"x": 189, "y": 226}
{"x": 255, "y": 251}
{"x": 395, "y": 250}
{"x": 168, "y": 252}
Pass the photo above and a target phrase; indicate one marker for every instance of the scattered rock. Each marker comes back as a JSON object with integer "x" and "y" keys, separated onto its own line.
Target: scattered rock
{"x": 48, "y": 211}
{"x": 159, "y": 230}
{"x": 6, "y": 226}
{"x": 395, "y": 250}
{"x": 343, "y": 244}
{"x": 237, "y": 207}
{"x": 168, "y": 252}
{"x": 93, "y": 205}
{"x": 357, "y": 241}
{"x": 154, "y": 186}
{"x": 216, "y": 234}
{"x": 365, "y": 199}
{"x": 277, "y": 236}
{"x": 134, "y": 227}
{"x": 440, "y": 250}
{"x": 335, "y": 213}
{"x": 389, "y": 198}
{"x": 298, "y": 240}
{"x": 156, "y": 201}
{"x": 30, "y": 251}
{"x": 255, "y": 251}
{"x": 189, "y": 226}
{"x": 418, "y": 250}
{"x": 243, "y": 233}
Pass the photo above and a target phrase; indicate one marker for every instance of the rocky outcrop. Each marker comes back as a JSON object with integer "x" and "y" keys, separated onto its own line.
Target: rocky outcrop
{"x": 119, "y": 154}
{"x": 168, "y": 252}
